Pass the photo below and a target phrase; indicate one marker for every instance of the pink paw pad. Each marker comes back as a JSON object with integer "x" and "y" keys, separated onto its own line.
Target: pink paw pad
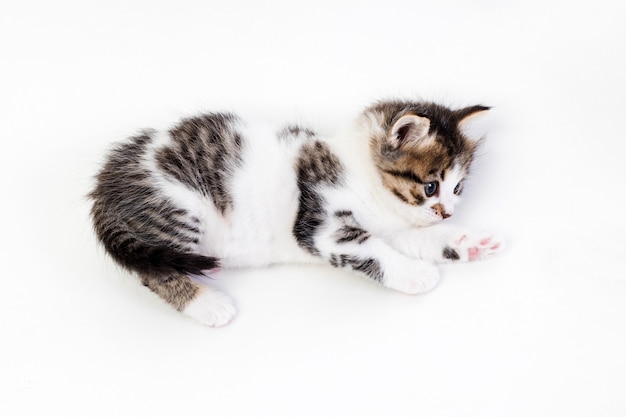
{"x": 473, "y": 253}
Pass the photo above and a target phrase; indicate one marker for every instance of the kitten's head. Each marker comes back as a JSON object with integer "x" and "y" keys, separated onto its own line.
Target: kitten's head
{"x": 422, "y": 155}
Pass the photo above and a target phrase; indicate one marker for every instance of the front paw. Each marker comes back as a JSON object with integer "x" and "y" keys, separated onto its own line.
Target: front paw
{"x": 415, "y": 277}
{"x": 472, "y": 247}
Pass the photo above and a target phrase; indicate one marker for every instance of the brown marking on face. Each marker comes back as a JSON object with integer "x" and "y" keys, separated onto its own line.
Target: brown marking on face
{"x": 440, "y": 211}
{"x": 405, "y": 173}
{"x": 419, "y": 196}
{"x": 404, "y": 168}
{"x": 406, "y": 191}
{"x": 398, "y": 193}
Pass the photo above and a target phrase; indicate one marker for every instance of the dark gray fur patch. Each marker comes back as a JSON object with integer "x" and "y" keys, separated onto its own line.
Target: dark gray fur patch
{"x": 368, "y": 266}
{"x": 350, "y": 231}
{"x": 449, "y": 253}
{"x": 204, "y": 153}
{"x": 144, "y": 231}
{"x": 131, "y": 217}
{"x": 316, "y": 166}
{"x": 296, "y": 132}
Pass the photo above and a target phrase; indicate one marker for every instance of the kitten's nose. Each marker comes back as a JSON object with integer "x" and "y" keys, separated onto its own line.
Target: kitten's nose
{"x": 441, "y": 211}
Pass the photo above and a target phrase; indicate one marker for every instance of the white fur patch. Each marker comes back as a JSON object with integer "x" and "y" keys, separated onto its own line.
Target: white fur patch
{"x": 211, "y": 308}
{"x": 265, "y": 192}
{"x": 429, "y": 243}
{"x": 447, "y": 198}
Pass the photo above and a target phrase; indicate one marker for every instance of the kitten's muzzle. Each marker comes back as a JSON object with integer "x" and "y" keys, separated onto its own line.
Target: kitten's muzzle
{"x": 440, "y": 211}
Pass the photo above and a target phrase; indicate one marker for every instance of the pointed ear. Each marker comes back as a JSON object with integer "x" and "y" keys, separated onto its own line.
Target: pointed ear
{"x": 464, "y": 115}
{"x": 409, "y": 130}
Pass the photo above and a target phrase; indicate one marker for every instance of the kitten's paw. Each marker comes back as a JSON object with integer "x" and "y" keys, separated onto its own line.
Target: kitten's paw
{"x": 416, "y": 277}
{"x": 472, "y": 247}
{"x": 211, "y": 308}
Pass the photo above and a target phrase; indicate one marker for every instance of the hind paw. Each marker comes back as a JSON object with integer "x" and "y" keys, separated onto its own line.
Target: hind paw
{"x": 211, "y": 308}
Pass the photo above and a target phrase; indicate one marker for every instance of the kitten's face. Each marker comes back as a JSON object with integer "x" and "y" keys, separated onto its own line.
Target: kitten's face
{"x": 433, "y": 194}
{"x": 422, "y": 156}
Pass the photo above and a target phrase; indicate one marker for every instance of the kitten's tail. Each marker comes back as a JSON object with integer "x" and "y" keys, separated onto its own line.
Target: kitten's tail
{"x": 157, "y": 260}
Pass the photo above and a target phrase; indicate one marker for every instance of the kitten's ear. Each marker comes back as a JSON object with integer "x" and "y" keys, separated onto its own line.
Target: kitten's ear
{"x": 409, "y": 130}
{"x": 466, "y": 114}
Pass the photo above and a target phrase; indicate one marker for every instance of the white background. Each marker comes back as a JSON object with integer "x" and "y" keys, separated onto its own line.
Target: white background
{"x": 539, "y": 331}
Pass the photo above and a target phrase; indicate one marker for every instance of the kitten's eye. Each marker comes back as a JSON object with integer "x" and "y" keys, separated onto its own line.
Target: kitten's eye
{"x": 431, "y": 188}
{"x": 458, "y": 188}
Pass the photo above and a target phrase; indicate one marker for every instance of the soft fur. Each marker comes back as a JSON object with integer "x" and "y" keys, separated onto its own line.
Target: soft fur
{"x": 217, "y": 191}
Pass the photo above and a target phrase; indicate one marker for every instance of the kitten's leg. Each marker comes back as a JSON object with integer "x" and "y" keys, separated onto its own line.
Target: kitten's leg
{"x": 201, "y": 302}
{"x": 345, "y": 245}
{"x": 447, "y": 243}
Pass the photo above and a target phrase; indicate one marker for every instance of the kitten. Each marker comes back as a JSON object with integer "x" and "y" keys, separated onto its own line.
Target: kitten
{"x": 216, "y": 191}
